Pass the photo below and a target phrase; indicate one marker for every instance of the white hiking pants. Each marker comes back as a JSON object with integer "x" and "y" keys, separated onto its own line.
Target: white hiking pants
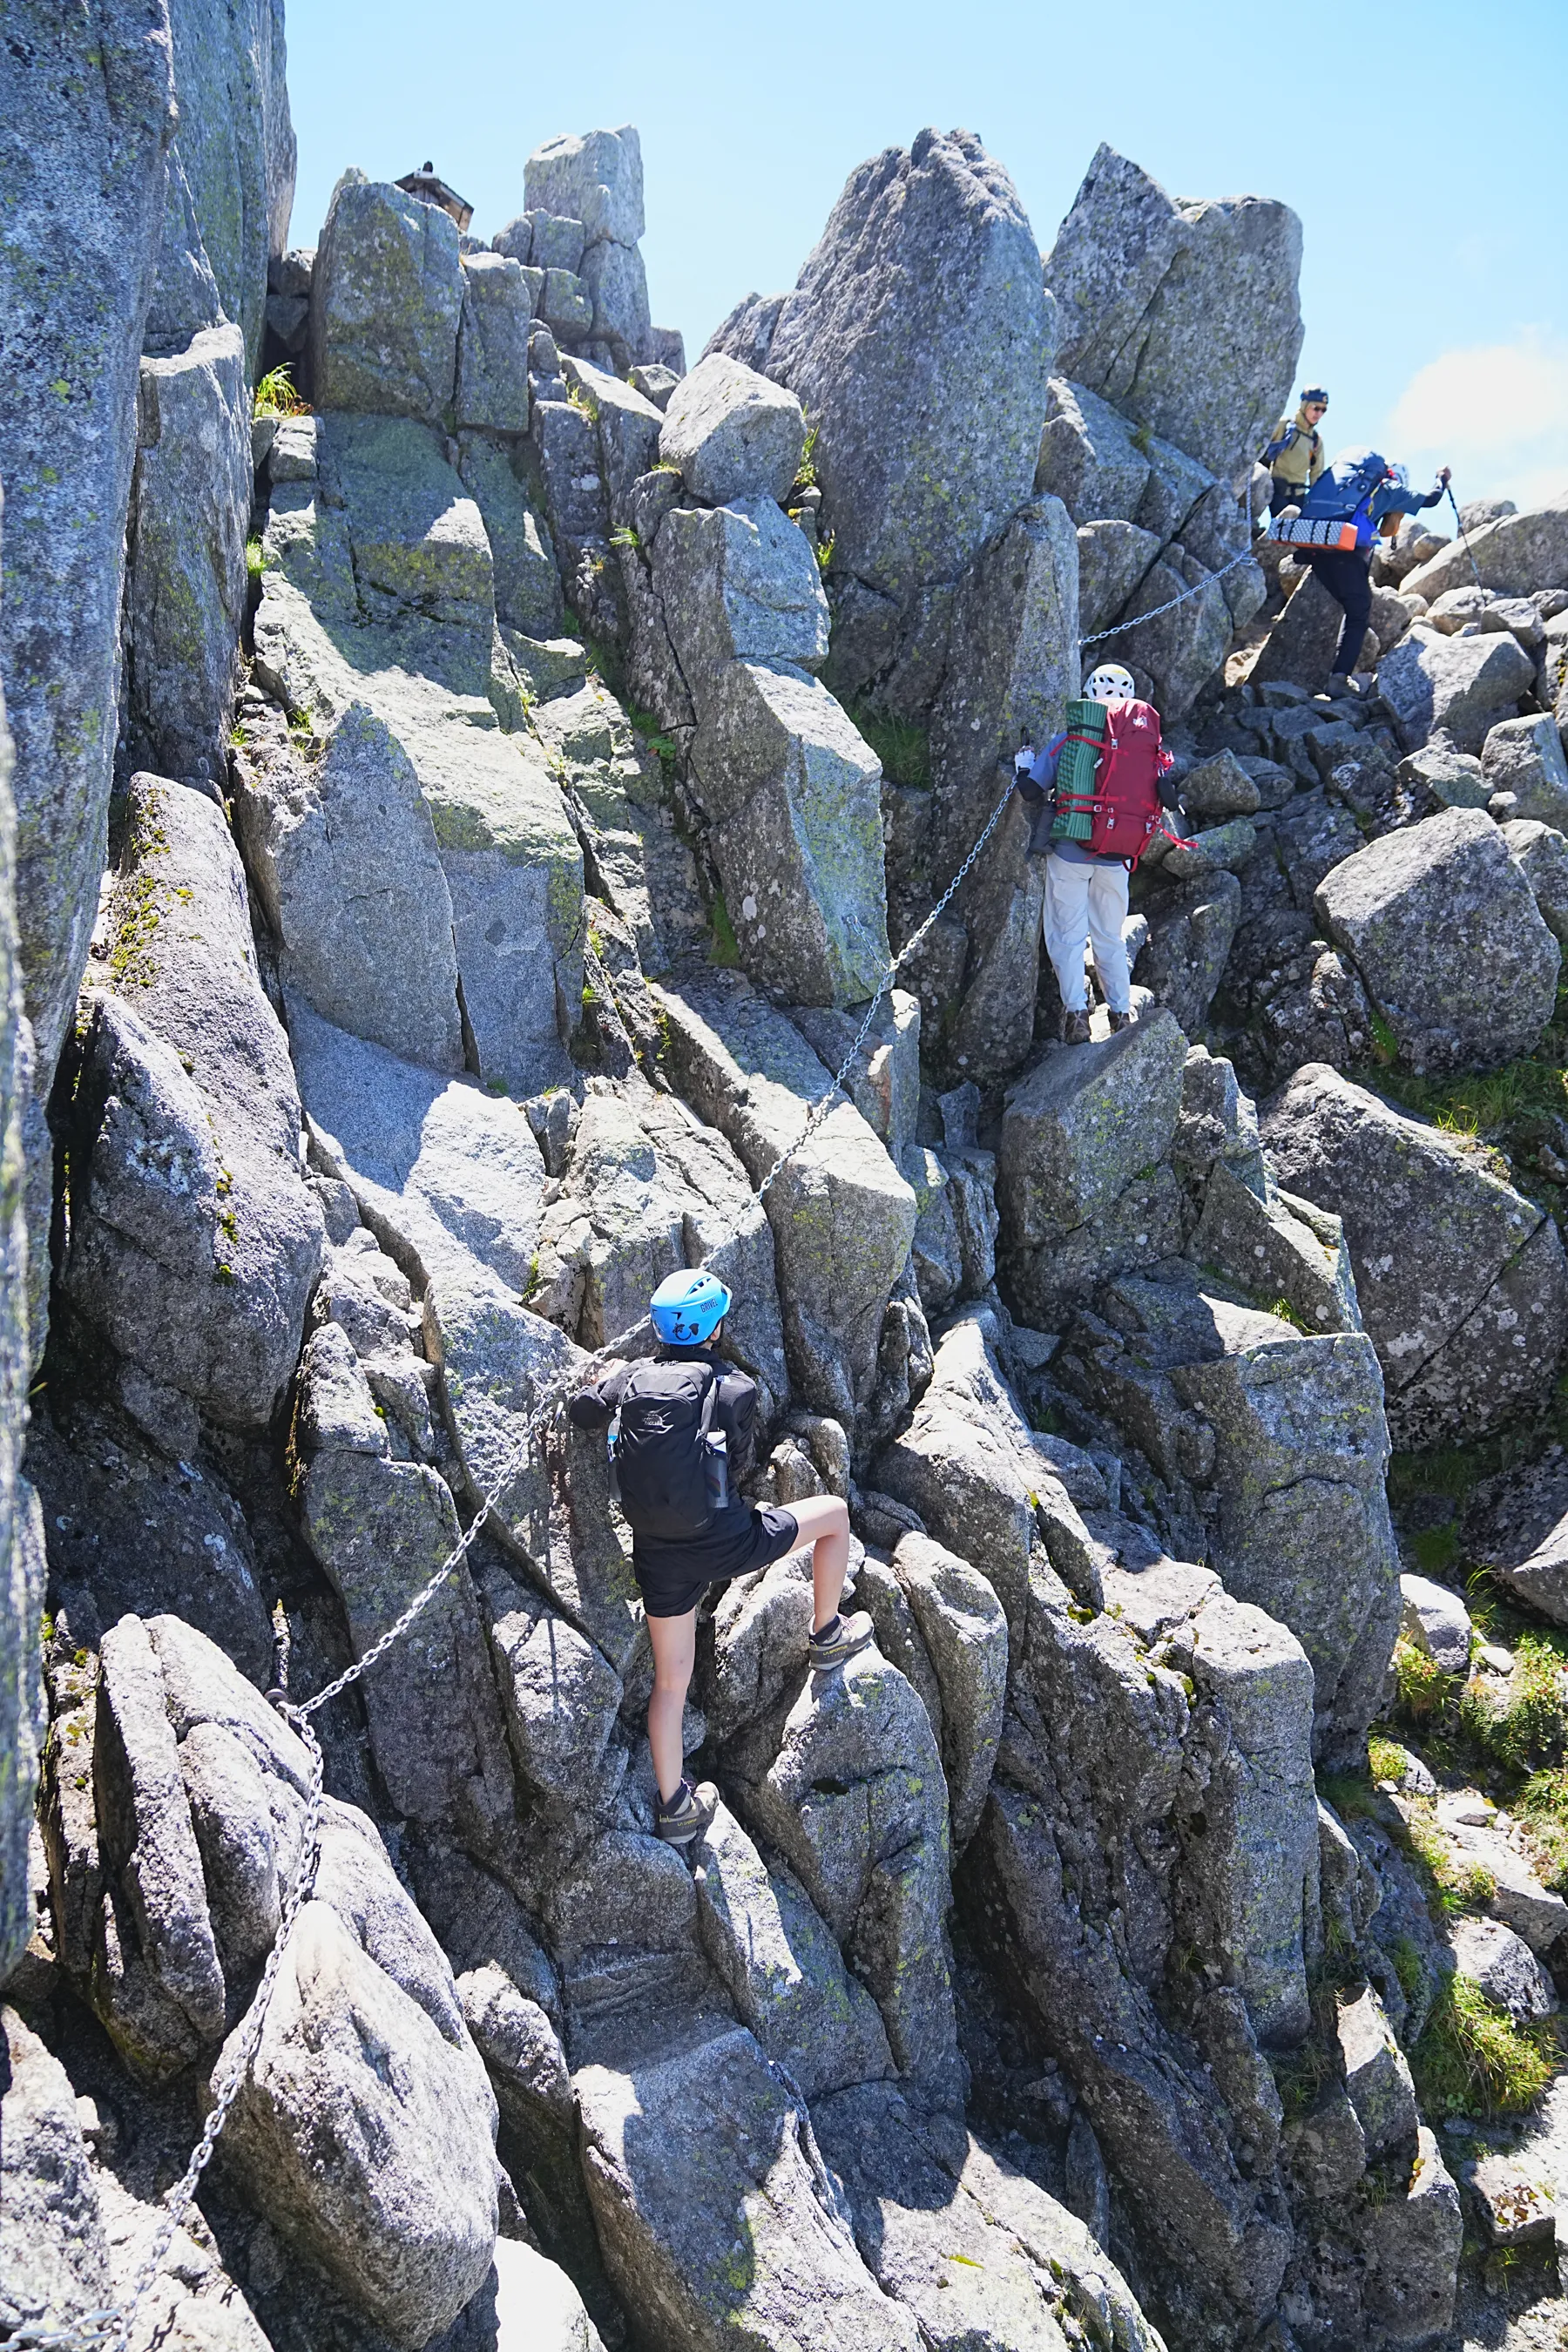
{"x": 1086, "y": 904}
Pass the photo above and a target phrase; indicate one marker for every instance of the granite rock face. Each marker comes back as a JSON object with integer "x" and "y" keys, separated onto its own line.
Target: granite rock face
{"x": 21, "y": 1537}
{"x": 190, "y": 517}
{"x": 1460, "y": 1280}
{"x": 87, "y": 105}
{"x": 932, "y": 245}
{"x": 236, "y": 148}
{"x": 194, "y": 1243}
{"x": 1153, "y": 290}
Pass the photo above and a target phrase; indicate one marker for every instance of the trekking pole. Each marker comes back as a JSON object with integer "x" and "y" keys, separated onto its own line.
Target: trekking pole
{"x": 1458, "y": 518}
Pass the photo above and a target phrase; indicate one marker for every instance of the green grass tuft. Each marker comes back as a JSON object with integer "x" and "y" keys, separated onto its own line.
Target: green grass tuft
{"x": 1529, "y": 1727}
{"x": 253, "y": 559}
{"x": 1387, "y": 1760}
{"x": 1472, "y": 2060}
{"x": 276, "y": 396}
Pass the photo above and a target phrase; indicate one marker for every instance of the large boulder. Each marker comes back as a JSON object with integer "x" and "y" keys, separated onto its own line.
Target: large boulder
{"x": 52, "y": 2240}
{"x": 777, "y": 1958}
{"x": 492, "y": 345}
{"x": 1283, "y": 1432}
{"x": 591, "y": 187}
{"x": 1089, "y": 1846}
{"x": 1514, "y": 553}
{"x": 717, "y": 2216}
{"x": 448, "y": 1173}
{"x": 978, "y": 1476}
{"x": 380, "y": 1527}
{"x": 732, "y": 433}
{"x": 1157, "y": 296}
{"x": 1525, "y": 756}
{"x": 925, "y": 281}
{"x": 595, "y": 177}
{"x": 365, "y": 2085}
{"x": 1089, "y": 458}
{"x": 378, "y": 589}
{"x": 86, "y": 113}
{"x": 345, "y": 861}
{"x": 856, "y": 1801}
{"x": 788, "y": 786}
{"x": 1517, "y": 1526}
{"x": 1445, "y": 932}
{"x": 190, "y": 516}
{"x": 386, "y": 297}
{"x": 644, "y": 1189}
{"x": 194, "y": 1241}
{"x": 1461, "y": 1281}
{"x": 1460, "y": 684}
{"x": 1084, "y": 1186}
{"x": 926, "y": 2239}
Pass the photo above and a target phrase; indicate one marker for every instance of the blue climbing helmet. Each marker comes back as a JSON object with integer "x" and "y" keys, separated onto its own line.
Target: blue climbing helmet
{"x": 688, "y": 1308}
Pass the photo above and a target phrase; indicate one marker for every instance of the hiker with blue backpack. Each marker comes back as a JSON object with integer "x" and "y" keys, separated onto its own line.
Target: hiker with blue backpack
{"x": 1355, "y": 501}
{"x": 682, "y": 1430}
{"x": 1095, "y": 793}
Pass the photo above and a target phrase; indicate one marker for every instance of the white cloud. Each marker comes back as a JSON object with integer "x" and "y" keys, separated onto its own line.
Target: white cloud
{"x": 1497, "y": 412}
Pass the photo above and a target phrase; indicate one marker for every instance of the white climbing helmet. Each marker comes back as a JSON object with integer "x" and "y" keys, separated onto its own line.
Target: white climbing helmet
{"x": 1110, "y": 683}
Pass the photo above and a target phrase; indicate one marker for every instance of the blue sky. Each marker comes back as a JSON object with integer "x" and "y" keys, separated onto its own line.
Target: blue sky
{"x": 1421, "y": 145}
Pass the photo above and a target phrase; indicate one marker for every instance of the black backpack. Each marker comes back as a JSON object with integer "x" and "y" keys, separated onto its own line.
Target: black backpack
{"x": 669, "y": 1465}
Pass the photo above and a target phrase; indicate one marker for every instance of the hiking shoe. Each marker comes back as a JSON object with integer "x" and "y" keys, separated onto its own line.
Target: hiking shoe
{"x": 689, "y": 1816}
{"x": 1074, "y": 1027}
{"x": 846, "y": 1637}
{"x": 1121, "y": 1021}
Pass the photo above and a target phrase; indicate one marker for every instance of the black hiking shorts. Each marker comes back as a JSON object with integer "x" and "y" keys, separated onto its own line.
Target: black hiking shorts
{"x": 673, "y": 1578}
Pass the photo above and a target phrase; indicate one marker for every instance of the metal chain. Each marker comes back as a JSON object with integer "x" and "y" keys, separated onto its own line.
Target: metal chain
{"x": 1137, "y": 619}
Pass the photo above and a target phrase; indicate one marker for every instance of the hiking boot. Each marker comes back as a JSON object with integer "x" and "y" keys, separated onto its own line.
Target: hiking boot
{"x": 1074, "y": 1027}
{"x": 1120, "y": 1021}
{"x": 689, "y": 1816}
{"x": 845, "y": 1637}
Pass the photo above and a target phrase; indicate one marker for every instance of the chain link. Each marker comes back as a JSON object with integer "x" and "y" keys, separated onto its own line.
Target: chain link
{"x": 113, "y": 2327}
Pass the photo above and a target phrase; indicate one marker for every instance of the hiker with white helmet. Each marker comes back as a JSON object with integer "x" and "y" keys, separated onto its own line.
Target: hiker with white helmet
{"x": 1295, "y": 456}
{"x": 1096, "y": 791}
{"x": 1356, "y": 500}
{"x": 682, "y": 1430}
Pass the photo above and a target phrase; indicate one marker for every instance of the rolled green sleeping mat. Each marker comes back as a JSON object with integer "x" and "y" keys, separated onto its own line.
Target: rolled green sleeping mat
{"x": 1076, "y": 769}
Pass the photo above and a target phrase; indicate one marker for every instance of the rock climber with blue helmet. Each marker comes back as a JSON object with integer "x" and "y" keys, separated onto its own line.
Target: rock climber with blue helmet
{"x": 682, "y": 1436}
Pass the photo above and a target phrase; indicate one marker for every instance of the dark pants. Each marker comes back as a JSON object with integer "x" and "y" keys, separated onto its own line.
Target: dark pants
{"x": 1286, "y": 494}
{"x": 1343, "y": 573}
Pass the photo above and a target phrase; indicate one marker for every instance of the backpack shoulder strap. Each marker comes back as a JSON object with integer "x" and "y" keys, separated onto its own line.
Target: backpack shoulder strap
{"x": 710, "y": 1400}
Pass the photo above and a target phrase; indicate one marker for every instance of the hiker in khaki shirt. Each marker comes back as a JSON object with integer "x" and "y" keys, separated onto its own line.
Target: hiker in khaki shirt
{"x": 1295, "y": 456}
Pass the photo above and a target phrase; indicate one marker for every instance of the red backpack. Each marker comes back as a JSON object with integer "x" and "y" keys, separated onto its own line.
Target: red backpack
{"x": 1125, "y": 809}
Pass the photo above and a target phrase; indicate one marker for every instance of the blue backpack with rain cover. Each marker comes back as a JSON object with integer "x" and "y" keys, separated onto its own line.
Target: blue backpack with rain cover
{"x": 1343, "y": 493}
{"x": 1334, "y": 510}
